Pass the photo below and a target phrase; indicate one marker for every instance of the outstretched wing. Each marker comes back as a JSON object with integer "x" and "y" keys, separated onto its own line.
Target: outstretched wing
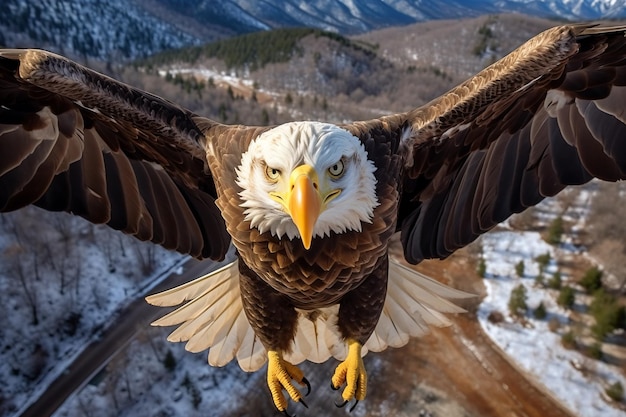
{"x": 550, "y": 114}
{"x": 75, "y": 140}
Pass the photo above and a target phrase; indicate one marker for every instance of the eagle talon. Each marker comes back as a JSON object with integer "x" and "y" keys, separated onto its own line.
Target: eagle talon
{"x": 308, "y": 387}
{"x": 342, "y": 405}
{"x": 354, "y": 406}
{"x": 280, "y": 374}
{"x": 345, "y": 402}
{"x": 351, "y": 372}
{"x": 333, "y": 387}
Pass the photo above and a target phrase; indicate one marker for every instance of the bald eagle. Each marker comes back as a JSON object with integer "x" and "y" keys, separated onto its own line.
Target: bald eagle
{"x": 314, "y": 209}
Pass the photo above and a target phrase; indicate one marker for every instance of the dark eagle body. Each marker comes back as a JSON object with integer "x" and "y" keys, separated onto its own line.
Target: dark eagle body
{"x": 313, "y": 208}
{"x": 333, "y": 270}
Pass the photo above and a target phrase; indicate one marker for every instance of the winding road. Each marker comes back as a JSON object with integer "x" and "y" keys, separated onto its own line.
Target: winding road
{"x": 97, "y": 354}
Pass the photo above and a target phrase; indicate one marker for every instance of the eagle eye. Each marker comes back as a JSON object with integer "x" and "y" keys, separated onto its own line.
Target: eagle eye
{"x": 336, "y": 170}
{"x": 272, "y": 174}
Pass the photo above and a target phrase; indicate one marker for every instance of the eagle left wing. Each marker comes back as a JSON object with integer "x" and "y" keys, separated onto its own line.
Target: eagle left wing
{"x": 74, "y": 140}
{"x": 550, "y": 114}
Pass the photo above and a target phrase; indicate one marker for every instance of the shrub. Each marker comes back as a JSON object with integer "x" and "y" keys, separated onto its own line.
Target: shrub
{"x": 592, "y": 280}
{"x": 71, "y": 323}
{"x": 481, "y": 269}
{"x": 169, "y": 362}
{"x": 543, "y": 261}
{"x": 517, "y": 301}
{"x": 519, "y": 269}
{"x": 567, "y": 297}
{"x": 594, "y": 351}
{"x": 568, "y": 340}
{"x": 540, "y": 312}
{"x": 609, "y": 315}
{"x": 192, "y": 390}
{"x": 540, "y": 280}
{"x": 495, "y": 317}
{"x": 615, "y": 391}
{"x": 555, "y": 231}
{"x": 556, "y": 281}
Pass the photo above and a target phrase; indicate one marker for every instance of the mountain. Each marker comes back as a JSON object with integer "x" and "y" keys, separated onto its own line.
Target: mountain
{"x": 120, "y": 29}
{"x": 358, "y": 16}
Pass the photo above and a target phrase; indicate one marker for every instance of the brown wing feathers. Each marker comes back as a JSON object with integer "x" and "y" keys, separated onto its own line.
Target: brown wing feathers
{"x": 120, "y": 156}
{"x": 520, "y": 144}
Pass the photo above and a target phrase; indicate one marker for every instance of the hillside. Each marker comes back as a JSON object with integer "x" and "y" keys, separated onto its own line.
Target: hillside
{"x": 309, "y": 73}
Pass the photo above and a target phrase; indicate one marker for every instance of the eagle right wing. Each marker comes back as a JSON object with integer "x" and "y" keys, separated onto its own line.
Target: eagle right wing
{"x": 74, "y": 140}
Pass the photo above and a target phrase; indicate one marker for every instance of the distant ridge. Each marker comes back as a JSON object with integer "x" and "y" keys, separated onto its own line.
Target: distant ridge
{"x": 118, "y": 30}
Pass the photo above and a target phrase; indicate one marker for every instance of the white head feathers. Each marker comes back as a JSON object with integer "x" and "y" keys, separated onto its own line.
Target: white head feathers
{"x": 320, "y": 145}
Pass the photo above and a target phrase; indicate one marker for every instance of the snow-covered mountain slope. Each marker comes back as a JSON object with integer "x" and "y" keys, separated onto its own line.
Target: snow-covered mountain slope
{"x": 119, "y": 29}
{"x": 357, "y": 16}
{"x": 88, "y": 28}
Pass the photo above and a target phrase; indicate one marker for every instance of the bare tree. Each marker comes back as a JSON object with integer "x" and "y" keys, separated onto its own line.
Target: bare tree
{"x": 118, "y": 378}
{"x": 110, "y": 387}
{"x": 107, "y": 248}
{"x": 146, "y": 335}
{"x": 17, "y": 265}
{"x": 146, "y": 256}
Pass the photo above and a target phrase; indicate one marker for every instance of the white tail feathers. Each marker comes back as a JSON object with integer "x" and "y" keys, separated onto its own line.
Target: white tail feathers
{"x": 213, "y": 318}
{"x": 414, "y": 303}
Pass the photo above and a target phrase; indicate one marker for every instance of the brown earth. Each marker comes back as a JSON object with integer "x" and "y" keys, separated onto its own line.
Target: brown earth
{"x": 463, "y": 365}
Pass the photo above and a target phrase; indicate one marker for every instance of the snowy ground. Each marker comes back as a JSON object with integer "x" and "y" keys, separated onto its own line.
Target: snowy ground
{"x": 71, "y": 310}
{"x": 193, "y": 389}
{"x": 533, "y": 346}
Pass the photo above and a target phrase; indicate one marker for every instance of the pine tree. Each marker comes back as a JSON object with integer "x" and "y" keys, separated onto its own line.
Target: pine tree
{"x": 481, "y": 269}
{"x": 517, "y": 301}
{"x": 592, "y": 280}
{"x": 540, "y": 312}
{"x": 567, "y": 297}
{"x": 615, "y": 391}
{"x": 169, "y": 361}
{"x": 555, "y": 282}
{"x": 555, "y": 231}
{"x": 543, "y": 261}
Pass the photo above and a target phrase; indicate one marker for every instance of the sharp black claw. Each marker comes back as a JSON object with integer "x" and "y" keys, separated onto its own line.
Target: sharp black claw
{"x": 334, "y": 388}
{"x": 308, "y": 386}
{"x": 342, "y": 404}
{"x": 301, "y": 401}
{"x": 354, "y": 406}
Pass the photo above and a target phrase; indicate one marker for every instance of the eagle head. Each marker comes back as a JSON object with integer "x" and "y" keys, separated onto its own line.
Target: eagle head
{"x": 305, "y": 180}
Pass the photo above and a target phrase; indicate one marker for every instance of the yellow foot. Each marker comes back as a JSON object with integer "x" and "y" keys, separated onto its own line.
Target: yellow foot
{"x": 352, "y": 373}
{"x": 280, "y": 373}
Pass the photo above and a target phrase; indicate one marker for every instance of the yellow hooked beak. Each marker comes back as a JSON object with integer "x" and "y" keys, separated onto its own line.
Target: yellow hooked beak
{"x": 304, "y": 202}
